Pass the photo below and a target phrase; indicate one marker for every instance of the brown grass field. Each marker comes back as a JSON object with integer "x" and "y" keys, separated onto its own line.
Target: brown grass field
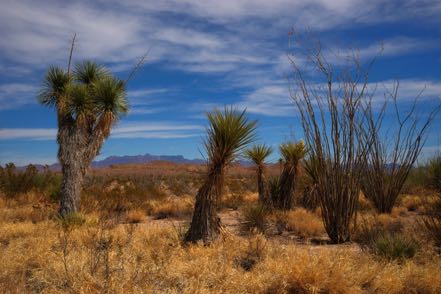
{"x": 133, "y": 217}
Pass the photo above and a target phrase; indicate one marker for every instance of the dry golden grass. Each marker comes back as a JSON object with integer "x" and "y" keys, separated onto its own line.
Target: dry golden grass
{"x": 119, "y": 250}
{"x": 150, "y": 259}
{"x": 135, "y": 216}
{"x": 412, "y": 202}
{"x": 171, "y": 207}
{"x": 301, "y": 222}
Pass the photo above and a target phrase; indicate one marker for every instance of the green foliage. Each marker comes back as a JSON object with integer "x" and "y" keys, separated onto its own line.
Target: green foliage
{"x": 274, "y": 188}
{"x": 255, "y": 217}
{"x": 71, "y": 220}
{"x": 434, "y": 173}
{"x": 229, "y": 132}
{"x": 55, "y": 83}
{"x": 14, "y": 182}
{"x": 395, "y": 246}
{"x": 292, "y": 152}
{"x": 90, "y": 93}
{"x": 258, "y": 153}
{"x": 385, "y": 239}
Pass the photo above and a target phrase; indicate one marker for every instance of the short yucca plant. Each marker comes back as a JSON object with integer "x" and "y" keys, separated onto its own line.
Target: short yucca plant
{"x": 88, "y": 101}
{"x": 258, "y": 154}
{"x": 395, "y": 246}
{"x": 254, "y": 217}
{"x": 291, "y": 153}
{"x": 229, "y": 133}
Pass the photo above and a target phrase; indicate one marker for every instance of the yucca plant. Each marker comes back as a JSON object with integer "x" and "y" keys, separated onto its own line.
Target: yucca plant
{"x": 291, "y": 153}
{"x": 258, "y": 154}
{"x": 228, "y": 134}
{"x": 88, "y": 102}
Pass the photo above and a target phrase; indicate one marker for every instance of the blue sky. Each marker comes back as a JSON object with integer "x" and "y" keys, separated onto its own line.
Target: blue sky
{"x": 202, "y": 54}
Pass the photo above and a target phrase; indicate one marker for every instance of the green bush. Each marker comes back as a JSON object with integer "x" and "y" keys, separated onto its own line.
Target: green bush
{"x": 71, "y": 220}
{"x": 14, "y": 181}
{"x": 255, "y": 217}
{"x": 434, "y": 173}
{"x": 395, "y": 246}
{"x": 274, "y": 188}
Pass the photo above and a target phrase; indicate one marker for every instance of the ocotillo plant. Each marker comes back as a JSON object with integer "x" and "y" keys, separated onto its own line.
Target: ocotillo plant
{"x": 258, "y": 154}
{"x": 291, "y": 153}
{"x": 228, "y": 134}
{"x": 331, "y": 114}
{"x": 88, "y": 102}
{"x": 392, "y": 153}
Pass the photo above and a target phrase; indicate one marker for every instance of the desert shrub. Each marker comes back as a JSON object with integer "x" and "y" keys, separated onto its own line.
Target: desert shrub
{"x": 370, "y": 228}
{"x": 363, "y": 203}
{"x": 232, "y": 200}
{"x": 301, "y": 222}
{"x": 309, "y": 199}
{"x": 432, "y": 222}
{"x": 255, "y": 216}
{"x": 433, "y": 173}
{"x": 412, "y": 202}
{"x": 135, "y": 216}
{"x": 395, "y": 246}
{"x": 14, "y": 181}
{"x": 71, "y": 220}
{"x": 240, "y": 184}
{"x": 170, "y": 207}
{"x": 398, "y": 211}
{"x": 254, "y": 252}
{"x": 384, "y": 236}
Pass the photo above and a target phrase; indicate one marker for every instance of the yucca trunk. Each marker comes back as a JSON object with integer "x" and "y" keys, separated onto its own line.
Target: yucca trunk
{"x": 70, "y": 157}
{"x": 262, "y": 186}
{"x": 70, "y": 187}
{"x": 75, "y": 154}
{"x": 205, "y": 224}
{"x": 285, "y": 199}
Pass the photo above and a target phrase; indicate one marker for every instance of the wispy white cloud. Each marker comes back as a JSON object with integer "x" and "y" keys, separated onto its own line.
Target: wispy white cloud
{"x": 17, "y": 94}
{"x": 232, "y": 38}
{"x": 153, "y": 130}
{"x": 274, "y": 100}
{"x": 28, "y": 133}
{"x": 271, "y": 100}
{"x": 118, "y": 32}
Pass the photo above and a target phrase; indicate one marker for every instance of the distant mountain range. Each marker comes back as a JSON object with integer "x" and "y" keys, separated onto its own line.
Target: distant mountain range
{"x": 146, "y": 158}
{"x": 130, "y": 159}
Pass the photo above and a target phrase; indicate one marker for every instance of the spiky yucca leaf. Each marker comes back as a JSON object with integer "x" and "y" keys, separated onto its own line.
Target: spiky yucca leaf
{"x": 292, "y": 152}
{"x": 229, "y": 132}
{"x": 87, "y": 72}
{"x": 54, "y": 85}
{"x": 258, "y": 153}
{"x": 109, "y": 96}
{"x": 79, "y": 100}
{"x": 91, "y": 89}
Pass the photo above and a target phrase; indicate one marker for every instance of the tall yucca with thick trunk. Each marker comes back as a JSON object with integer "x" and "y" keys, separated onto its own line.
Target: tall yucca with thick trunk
{"x": 258, "y": 154}
{"x": 291, "y": 153}
{"x": 229, "y": 132}
{"x": 88, "y": 102}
